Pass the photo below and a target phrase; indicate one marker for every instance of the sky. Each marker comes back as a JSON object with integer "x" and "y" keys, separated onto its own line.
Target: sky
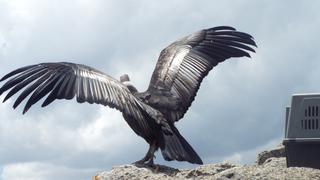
{"x": 239, "y": 110}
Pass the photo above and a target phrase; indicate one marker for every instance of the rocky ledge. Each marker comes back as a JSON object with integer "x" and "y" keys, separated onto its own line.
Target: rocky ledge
{"x": 270, "y": 165}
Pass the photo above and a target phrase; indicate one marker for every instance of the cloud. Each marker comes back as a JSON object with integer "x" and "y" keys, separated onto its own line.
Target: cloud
{"x": 239, "y": 109}
{"x": 39, "y": 171}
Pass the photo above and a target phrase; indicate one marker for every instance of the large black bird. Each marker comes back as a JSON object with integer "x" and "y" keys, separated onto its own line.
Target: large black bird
{"x": 151, "y": 114}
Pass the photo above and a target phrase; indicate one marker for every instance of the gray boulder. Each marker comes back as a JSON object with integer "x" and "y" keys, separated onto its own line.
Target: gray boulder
{"x": 279, "y": 151}
{"x": 270, "y": 165}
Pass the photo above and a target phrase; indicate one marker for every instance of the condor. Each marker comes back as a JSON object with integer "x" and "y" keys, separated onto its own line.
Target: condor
{"x": 151, "y": 114}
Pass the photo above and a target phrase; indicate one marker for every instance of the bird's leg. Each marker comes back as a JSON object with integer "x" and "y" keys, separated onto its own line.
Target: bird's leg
{"x": 151, "y": 155}
{"x": 148, "y": 158}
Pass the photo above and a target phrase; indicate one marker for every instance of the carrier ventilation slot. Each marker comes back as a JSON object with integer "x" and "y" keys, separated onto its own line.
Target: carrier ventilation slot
{"x": 310, "y": 124}
{"x": 311, "y": 111}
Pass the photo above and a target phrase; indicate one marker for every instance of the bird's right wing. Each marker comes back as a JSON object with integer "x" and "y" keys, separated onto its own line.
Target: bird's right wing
{"x": 68, "y": 80}
{"x": 182, "y": 66}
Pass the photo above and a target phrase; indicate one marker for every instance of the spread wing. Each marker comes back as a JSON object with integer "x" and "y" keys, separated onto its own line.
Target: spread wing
{"x": 67, "y": 80}
{"x": 182, "y": 65}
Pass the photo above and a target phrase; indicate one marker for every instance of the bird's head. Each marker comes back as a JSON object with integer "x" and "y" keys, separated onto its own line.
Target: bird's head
{"x": 124, "y": 78}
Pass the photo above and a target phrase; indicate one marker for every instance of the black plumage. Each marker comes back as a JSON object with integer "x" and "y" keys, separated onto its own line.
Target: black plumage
{"x": 152, "y": 114}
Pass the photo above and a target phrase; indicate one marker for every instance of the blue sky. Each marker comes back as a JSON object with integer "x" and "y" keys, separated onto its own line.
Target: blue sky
{"x": 239, "y": 109}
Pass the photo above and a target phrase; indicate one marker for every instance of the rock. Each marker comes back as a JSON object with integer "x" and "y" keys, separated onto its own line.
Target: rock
{"x": 163, "y": 172}
{"x": 271, "y": 166}
{"x": 279, "y": 151}
{"x": 134, "y": 172}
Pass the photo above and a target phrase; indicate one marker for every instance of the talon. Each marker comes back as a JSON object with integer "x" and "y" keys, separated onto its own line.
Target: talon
{"x": 148, "y": 159}
{"x": 140, "y": 162}
{"x": 150, "y": 163}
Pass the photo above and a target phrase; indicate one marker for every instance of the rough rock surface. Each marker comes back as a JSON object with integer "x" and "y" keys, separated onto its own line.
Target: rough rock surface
{"x": 279, "y": 151}
{"x": 274, "y": 167}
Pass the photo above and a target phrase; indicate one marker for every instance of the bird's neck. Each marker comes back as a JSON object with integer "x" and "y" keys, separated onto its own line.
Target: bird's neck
{"x": 131, "y": 88}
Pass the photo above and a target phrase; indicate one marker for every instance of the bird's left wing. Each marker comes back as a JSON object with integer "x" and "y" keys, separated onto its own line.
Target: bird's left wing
{"x": 65, "y": 80}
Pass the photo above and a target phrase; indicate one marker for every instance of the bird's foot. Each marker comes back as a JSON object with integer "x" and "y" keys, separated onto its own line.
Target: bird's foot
{"x": 139, "y": 163}
{"x": 145, "y": 162}
{"x": 150, "y": 163}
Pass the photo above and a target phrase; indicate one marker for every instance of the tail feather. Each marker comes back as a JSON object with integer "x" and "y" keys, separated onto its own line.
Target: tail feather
{"x": 175, "y": 147}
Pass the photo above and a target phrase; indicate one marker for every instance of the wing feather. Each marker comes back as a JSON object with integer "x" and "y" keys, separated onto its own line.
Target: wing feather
{"x": 29, "y": 89}
{"x": 23, "y": 83}
{"x": 16, "y": 72}
{"x": 42, "y": 90}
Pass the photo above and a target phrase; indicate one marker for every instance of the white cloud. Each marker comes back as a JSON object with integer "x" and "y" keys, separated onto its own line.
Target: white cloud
{"x": 41, "y": 171}
{"x": 250, "y": 156}
{"x": 105, "y": 132}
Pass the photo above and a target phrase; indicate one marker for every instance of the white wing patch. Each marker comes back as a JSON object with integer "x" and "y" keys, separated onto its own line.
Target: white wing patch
{"x": 175, "y": 63}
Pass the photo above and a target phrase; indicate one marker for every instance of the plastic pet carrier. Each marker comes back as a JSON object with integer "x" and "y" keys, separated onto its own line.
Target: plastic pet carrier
{"x": 302, "y": 131}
